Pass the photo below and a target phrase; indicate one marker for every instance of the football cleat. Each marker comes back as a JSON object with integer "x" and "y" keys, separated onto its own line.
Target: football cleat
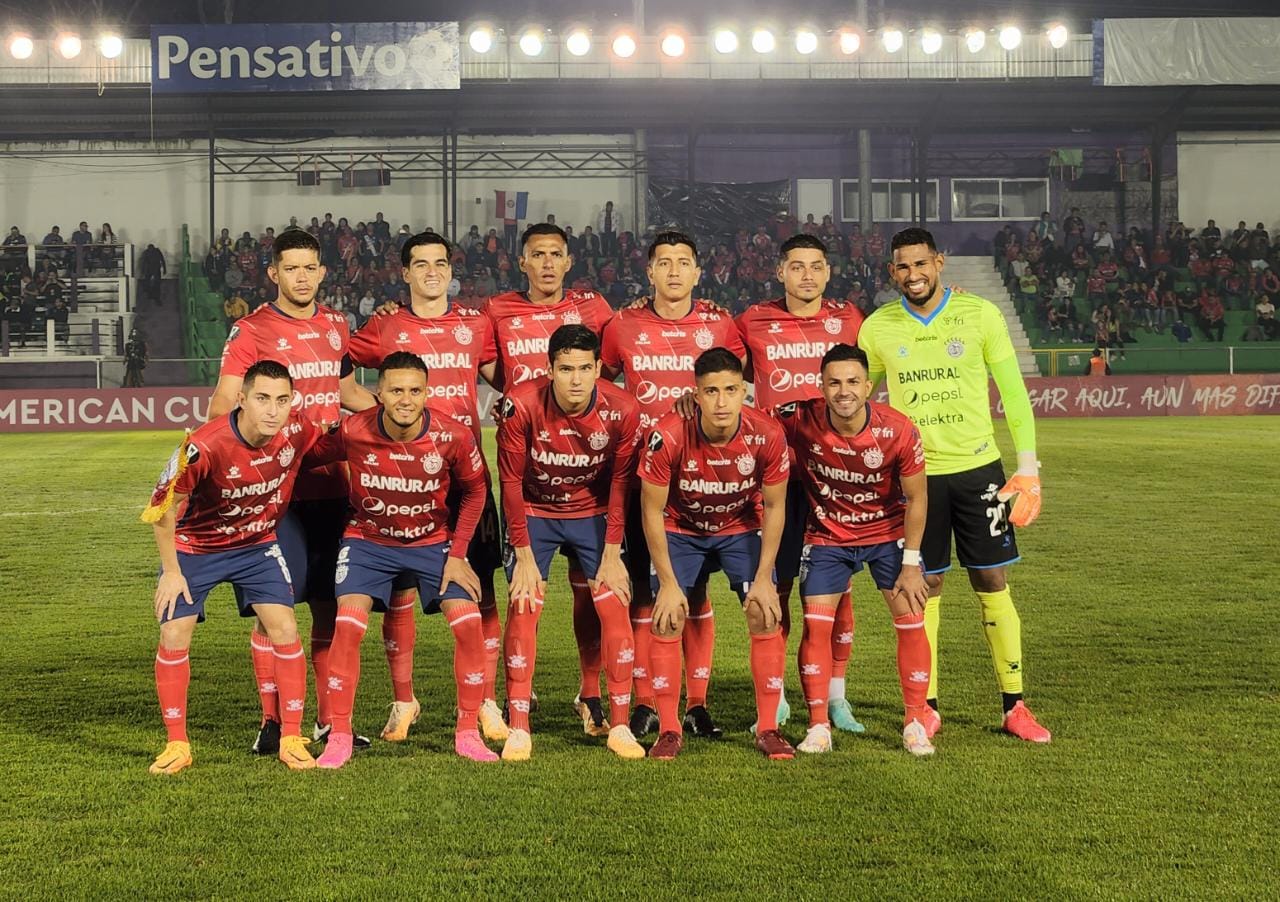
{"x": 668, "y": 746}
{"x": 915, "y": 739}
{"x": 593, "y": 720}
{"x": 468, "y": 744}
{"x": 267, "y": 742}
{"x": 175, "y": 757}
{"x": 491, "y": 722}
{"x": 697, "y": 720}
{"x": 1020, "y": 722}
{"x": 518, "y": 747}
{"x": 842, "y": 718}
{"x": 784, "y": 709}
{"x": 293, "y": 752}
{"x": 403, "y": 715}
{"x": 337, "y": 751}
{"x": 623, "y": 744}
{"x": 321, "y": 734}
{"x": 817, "y": 740}
{"x": 932, "y": 721}
{"x": 644, "y": 720}
{"x": 774, "y": 747}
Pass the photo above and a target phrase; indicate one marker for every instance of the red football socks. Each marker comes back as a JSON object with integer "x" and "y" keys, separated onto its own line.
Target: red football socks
{"x": 815, "y": 660}
{"x": 619, "y": 651}
{"x": 264, "y": 674}
{"x": 842, "y": 637}
{"x": 344, "y": 665}
{"x": 521, "y": 651}
{"x": 173, "y": 676}
{"x": 468, "y": 660}
{"x": 399, "y": 635}
{"x": 586, "y": 630}
{"x": 491, "y": 627}
{"x": 699, "y": 647}
{"x": 768, "y": 658}
{"x": 321, "y": 639}
{"x": 642, "y": 668}
{"x": 291, "y": 679}
{"x": 913, "y": 660}
{"x": 664, "y": 659}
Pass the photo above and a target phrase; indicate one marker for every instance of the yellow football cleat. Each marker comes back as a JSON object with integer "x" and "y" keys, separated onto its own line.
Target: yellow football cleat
{"x": 175, "y": 757}
{"x": 293, "y": 752}
{"x": 519, "y": 746}
{"x": 623, "y": 744}
{"x": 403, "y": 715}
{"x": 491, "y": 723}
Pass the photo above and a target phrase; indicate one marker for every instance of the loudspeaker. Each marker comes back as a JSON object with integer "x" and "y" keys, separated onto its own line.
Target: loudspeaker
{"x": 366, "y": 178}
{"x": 308, "y": 178}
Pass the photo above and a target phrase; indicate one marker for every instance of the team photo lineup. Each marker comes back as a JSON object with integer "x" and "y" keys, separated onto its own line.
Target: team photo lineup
{"x": 627, "y": 442}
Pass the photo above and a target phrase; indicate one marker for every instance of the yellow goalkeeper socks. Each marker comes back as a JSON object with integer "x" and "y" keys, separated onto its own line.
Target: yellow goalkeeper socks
{"x": 1003, "y": 631}
{"x": 932, "y": 615}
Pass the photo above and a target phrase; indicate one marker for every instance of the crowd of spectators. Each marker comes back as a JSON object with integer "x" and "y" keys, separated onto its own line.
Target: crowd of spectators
{"x": 1087, "y": 285}
{"x": 364, "y": 271}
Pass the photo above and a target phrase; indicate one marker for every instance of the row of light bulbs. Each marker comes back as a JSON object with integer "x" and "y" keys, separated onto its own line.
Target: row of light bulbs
{"x": 673, "y": 43}
{"x": 67, "y": 43}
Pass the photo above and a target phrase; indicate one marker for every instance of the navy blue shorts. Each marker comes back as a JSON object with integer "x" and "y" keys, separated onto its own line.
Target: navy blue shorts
{"x": 367, "y": 568}
{"x": 792, "y": 544}
{"x": 259, "y": 574}
{"x": 485, "y": 552}
{"x": 694, "y": 558}
{"x": 827, "y": 569}
{"x": 579, "y": 537}
{"x": 309, "y": 534}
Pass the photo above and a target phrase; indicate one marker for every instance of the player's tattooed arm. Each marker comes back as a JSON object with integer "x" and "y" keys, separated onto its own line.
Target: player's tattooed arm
{"x": 172, "y": 584}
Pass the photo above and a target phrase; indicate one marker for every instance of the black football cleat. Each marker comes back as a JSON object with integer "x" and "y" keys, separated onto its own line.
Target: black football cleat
{"x": 644, "y": 720}
{"x": 697, "y": 720}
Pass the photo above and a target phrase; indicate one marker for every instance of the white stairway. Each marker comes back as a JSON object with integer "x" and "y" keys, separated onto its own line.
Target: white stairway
{"x": 978, "y": 275}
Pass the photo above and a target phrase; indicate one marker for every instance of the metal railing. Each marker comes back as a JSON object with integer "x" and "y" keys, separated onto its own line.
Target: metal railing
{"x": 1256, "y": 357}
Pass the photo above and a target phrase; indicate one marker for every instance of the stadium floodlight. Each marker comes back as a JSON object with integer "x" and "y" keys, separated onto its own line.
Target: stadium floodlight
{"x": 725, "y": 40}
{"x": 1010, "y": 37}
{"x": 931, "y": 41}
{"x": 110, "y": 45}
{"x": 763, "y": 41}
{"x": 1058, "y": 35}
{"x": 481, "y": 39}
{"x": 975, "y": 39}
{"x": 806, "y": 41}
{"x": 531, "y": 42}
{"x": 578, "y": 42}
{"x": 892, "y": 39}
{"x": 68, "y": 44}
{"x": 624, "y": 45}
{"x": 673, "y": 44}
{"x": 850, "y": 41}
{"x": 21, "y": 46}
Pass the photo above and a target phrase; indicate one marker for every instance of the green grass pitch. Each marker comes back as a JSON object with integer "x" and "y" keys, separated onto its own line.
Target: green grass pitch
{"x": 1151, "y": 640}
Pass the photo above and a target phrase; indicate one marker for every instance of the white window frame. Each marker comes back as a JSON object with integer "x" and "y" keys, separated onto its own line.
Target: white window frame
{"x": 1000, "y": 217}
{"x": 908, "y": 183}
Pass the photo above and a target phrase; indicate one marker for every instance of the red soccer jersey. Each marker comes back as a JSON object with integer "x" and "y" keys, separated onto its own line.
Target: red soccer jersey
{"x": 786, "y": 350}
{"x": 853, "y": 482}
{"x": 715, "y": 489}
{"x": 555, "y": 465}
{"x": 313, "y": 350}
{"x": 236, "y": 492}
{"x": 453, "y": 345}
{"x": 399, "y": 489}
{"x": 656, "y": 355}
{"x": 522, "y": 329}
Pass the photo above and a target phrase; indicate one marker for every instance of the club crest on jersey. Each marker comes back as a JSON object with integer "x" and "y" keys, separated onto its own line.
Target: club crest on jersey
{"x": 832, "y": 325}
{"x": 955, "y": 347}
{"x": 572, "y": 318}
{"x": 873, "y": 458}
{"x": 704, "y": 339}
{"x": 598, "y": 441}
{"x": 371, "y": 459}
{"x": 432, "y": 462}
{"x": 746, "y": 464}
{"x": 344, "y": 558}
{"x": 285, "y": 457}
{"x": 233, "y": 473}
{"x": 335, "y": 340}
{"x": 462, "y": 335}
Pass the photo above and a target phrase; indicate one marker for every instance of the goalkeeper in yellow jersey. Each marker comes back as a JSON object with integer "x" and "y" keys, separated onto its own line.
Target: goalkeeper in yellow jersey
{"x": 935, "y": 347}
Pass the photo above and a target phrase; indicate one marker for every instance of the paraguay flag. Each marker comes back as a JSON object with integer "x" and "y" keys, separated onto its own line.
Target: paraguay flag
{"x": 510, "y": 206}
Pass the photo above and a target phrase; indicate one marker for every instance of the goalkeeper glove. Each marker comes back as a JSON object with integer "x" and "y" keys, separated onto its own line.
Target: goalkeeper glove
{"x": 1024, "y": 488}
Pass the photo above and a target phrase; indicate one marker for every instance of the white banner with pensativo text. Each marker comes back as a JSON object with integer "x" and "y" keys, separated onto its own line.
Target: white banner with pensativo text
{"x": 367, "y": 56}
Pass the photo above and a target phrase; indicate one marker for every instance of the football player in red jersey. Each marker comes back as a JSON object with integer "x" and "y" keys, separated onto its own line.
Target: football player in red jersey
{"x": 786, "y": 339}
{"x": 523, "y": 322}
{"x": 233, "y": 475}
{"x": 311, "y": 340}
{"x": 704, "y": 481}
{"x": 456, "y": 343}
{"x": 653, "y": 348}
{"x": 566, "y": 451}
{"x": 406, "y": 461}
{"x": 862, "y": 466}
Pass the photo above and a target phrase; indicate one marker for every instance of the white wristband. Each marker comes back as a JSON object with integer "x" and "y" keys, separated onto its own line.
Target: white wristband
{"x": 911, "y": 557}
